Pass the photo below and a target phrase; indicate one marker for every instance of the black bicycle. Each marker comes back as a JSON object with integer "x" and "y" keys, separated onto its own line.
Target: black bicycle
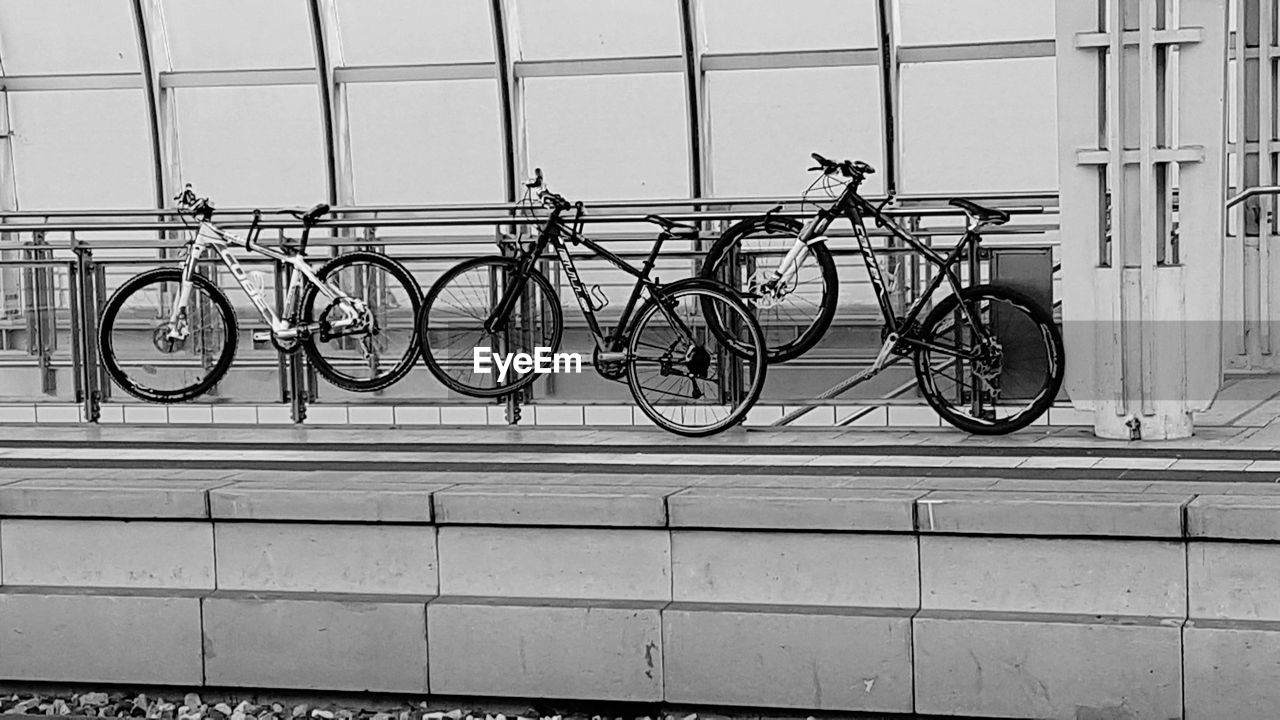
{"x": 964, "y": 367}
{"x": 686, "y": 378}
{"x": 168, "y": 335}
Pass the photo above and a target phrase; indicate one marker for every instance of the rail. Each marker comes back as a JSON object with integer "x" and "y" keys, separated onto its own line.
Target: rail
{"x": 57, "y": 268}
{"x": 1252, "y": 193}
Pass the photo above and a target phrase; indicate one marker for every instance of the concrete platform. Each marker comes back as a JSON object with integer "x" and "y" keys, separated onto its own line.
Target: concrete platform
{"x": 826, "y": 571}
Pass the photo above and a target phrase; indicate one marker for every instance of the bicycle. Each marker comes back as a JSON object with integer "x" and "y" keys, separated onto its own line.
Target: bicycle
{"x": 680, "y": 377}
{"x": 350, "y": 319}
{"x": 795, "y": 302}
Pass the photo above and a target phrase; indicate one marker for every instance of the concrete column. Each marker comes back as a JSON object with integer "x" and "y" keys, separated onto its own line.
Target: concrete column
{"x": 1142, "y": 286}
{"x": 1250, "y": 304}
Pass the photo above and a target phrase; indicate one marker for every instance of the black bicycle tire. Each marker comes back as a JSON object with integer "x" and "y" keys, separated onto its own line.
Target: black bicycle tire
{"x": 311, "y": 344}
{"x": 117, "y": 373}
{"x": 760, "y": 353}
{"x": 1043, "y": 319}
{"x": 831, "y": 282}
{"x": 424, "y": 326}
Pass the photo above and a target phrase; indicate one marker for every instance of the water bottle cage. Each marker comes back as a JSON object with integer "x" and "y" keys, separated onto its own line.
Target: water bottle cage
{"x": 597, "y": 299}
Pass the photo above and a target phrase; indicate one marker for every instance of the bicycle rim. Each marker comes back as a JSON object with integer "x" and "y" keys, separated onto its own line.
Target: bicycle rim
{"x": 372, "y": 342}
{"x": 793, "y": 313}
{"x": 683, "y": 374}
{"x": 136, "y": 348}
{"x": 1001, "y": 388}
{"x": 452, "y": 331}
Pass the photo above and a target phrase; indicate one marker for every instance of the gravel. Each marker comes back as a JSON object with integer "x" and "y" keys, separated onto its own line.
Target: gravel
{"x": 192, "y": 707}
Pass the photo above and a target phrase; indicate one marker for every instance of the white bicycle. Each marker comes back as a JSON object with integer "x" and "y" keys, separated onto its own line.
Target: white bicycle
{"x": 169, "y": 335}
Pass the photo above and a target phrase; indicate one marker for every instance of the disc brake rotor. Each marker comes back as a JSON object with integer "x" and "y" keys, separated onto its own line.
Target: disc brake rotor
{"x": 767, "y": 293}
{"x": 165, "y": 344}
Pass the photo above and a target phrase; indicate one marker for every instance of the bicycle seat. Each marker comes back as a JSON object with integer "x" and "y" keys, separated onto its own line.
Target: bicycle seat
{"x": 675, "y": 229}
{"x": 981, "y": 215}
{"x": 312, "y": 216}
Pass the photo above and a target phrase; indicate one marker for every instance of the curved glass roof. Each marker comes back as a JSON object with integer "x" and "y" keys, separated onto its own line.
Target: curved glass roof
{"x": 116, "y": 103}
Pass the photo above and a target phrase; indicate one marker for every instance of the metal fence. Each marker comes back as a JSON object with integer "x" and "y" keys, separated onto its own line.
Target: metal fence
{"x": 58, "y": 267}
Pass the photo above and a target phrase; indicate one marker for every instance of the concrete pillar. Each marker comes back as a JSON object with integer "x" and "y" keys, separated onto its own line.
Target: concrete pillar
{"x": 1250, "y": 304}
{"x": 1142, "y": 285}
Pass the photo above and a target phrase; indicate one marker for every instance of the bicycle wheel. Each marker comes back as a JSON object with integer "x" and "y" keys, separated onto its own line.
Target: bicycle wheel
{"x": 380, "y": 347}
{"x": 451, "y": 325}
{"x": 1009, "y": 379}
{"x": 134, "y": 343}
{"x": 793, "y": 316}
{"x": 681, "y": 374}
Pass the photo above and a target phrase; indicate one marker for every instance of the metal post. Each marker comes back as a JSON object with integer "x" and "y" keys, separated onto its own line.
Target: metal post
{"x": 324, "y": 85}
{"x": 693, "y": 95}
{"x": 888, "y": 62}
{"x": 505, "y": 74}
{"x": 84, "y": 311}
{"x": 149, "y": 87}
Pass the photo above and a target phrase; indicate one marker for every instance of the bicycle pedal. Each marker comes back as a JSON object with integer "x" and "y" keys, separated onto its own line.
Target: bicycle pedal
{"x": 261, "y": 337}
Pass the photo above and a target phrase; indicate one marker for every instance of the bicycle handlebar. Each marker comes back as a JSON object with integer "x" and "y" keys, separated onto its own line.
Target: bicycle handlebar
{"x": 855, "y": 170}
{"x": 547, "y": 198}
{"x": 188, "y": 201}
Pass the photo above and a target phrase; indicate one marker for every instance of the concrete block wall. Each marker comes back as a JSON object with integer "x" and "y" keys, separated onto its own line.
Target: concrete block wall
{"x": 1000, "y": 603}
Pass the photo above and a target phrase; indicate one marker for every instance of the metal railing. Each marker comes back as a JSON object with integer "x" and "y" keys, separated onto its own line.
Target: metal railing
{"x": 58, "y": 267}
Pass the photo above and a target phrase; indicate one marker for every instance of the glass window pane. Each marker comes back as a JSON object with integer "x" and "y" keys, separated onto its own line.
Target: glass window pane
{"x": 426, "y": 143}
{"x": 967, "y": 21}
{"x": 764, "y": 124}
{"x": 979, "y": 126}
{"x": 67, "y": 36}
{"x": 609, "y": 137}
{"x": 238, "y": 34}
{"x": 391, "y": 32}
{"x": 82, "y": 150}
{"x": 252, "y": 146}
{"x": 731, "y": 26}
{"x": 565, "y": 29}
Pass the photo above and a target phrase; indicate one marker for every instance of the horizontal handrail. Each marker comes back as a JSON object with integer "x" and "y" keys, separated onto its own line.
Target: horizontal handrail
{"x": 1253, "y": 192}
{"x": 452, "y": 221}
{"x": 1032, "y": 197}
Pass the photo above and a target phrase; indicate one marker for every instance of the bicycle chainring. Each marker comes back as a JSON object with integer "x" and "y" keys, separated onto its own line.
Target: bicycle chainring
{"x": 287, "y": 347}
{"x": 609, "y": 370}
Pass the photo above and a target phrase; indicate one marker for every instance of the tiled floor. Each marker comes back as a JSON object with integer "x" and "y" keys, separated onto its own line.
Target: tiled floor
{"x": 827, "y": 457}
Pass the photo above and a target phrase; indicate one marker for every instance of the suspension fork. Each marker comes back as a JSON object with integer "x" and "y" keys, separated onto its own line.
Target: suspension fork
{"x": 184, "y": 287}
{"x": 813, "y": 233}
{"x": 512, "y": 293}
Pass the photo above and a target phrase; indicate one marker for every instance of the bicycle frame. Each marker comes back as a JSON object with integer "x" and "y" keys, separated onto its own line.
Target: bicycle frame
{"x": 209, "y": 236}
{"x": 855, "y": 208}
{"x": 554, "y": 233}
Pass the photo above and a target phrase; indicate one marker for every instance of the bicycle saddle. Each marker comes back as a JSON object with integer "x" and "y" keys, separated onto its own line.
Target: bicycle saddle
{"x": 675, "y": 229}
{"x": 312, "y": 216}
{"x": 982, "y": 215}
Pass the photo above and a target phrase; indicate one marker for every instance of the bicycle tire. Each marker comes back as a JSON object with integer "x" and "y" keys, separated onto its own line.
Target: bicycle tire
{"x": 754, "y": 357}
{"x": 431, "y": 319}
{"x": 116, "y": 370}
{"x": 330, "y": 371}
{"x": 715, "y": 268}
{"x": 1047, "y": 388}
